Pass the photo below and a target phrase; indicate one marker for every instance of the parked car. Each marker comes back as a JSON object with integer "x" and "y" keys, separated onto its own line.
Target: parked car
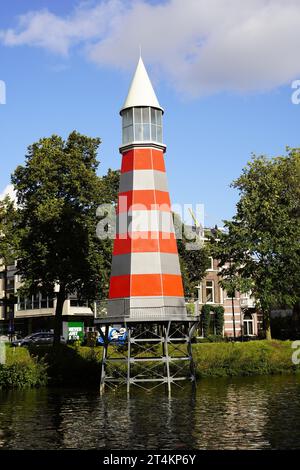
{"x": 37, "y": 339}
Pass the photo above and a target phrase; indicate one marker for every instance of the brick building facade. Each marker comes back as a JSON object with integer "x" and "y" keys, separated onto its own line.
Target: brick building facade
{"x": 239, "y": 312}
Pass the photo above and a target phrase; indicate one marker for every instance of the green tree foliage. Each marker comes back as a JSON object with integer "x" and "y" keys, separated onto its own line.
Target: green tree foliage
{"x": 205, "y": 319}
{"x": 9, "y": 239}
{"x": 219, "y": 319}
{"x": 218, "y": 312}
{"x": 9, "y": 234}
{"x": 193, "y": 256}
{"x": 260, "y": 247}
{"x": 58, "y": 192}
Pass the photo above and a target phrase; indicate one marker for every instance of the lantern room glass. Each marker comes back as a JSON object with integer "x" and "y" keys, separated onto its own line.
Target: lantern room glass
{"x": 142, "y": 124}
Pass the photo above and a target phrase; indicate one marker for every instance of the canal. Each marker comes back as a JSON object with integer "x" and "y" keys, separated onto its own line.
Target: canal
{"x": 240, "y": 413}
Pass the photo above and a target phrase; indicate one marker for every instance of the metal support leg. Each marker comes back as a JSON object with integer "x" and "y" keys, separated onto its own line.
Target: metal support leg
{"x": 167, "y": 357}
{"x": 128, "y": 360}
{"x": 190, "y": 353}
{"x": 161, "y": 332}
{"x": 104, "y": 356}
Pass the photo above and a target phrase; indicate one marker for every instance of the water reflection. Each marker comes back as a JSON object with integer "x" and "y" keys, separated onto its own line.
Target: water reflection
{"x": 248, "y": 413}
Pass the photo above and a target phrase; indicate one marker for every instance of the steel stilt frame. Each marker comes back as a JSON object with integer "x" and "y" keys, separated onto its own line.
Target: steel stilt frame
{"x": 156, "y": 353}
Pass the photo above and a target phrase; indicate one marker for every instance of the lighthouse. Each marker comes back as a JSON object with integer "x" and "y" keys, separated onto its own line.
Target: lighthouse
{"x": 146, "y": 297}
{"x": 146, "y": 282}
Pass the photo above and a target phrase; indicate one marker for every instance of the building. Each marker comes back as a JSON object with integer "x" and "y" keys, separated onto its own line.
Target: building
{"x": 25, "y": 315}
{"x": 240, "y": 315}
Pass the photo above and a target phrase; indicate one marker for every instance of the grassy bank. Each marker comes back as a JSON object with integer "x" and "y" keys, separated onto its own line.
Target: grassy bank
{"x": 22, "y": 370}
{"x": 80, "y": 366}
{"x": 244, "y": 359}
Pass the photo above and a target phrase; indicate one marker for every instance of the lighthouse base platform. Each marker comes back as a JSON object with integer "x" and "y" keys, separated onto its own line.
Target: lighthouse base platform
{"x": 155, "y": 353}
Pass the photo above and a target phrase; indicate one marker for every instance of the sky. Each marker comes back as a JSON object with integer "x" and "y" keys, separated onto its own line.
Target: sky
{"x": 222, "y": 70}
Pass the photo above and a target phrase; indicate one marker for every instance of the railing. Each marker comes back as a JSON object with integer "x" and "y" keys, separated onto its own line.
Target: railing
{"x": 126, "y": 307}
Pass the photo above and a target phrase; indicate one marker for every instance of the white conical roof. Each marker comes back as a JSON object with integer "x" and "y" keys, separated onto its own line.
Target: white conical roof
{"x": 141, "y": 91}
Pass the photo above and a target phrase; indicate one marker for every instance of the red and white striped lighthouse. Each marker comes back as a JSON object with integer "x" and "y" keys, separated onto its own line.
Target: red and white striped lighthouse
{"x": 146, "y": 283}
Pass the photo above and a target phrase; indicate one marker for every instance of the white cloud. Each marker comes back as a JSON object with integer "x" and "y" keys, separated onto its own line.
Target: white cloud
{"x": 198, "y": 46}
{"x": 8, "y": 191}
{"x": 44, "y": 29}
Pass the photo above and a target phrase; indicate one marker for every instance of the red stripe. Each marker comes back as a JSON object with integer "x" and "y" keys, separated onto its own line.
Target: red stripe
{"x": 144, "y": 199}
{"x": 119, "y": 286}
{"x": 143, "y": 159}
{"x": 122, "y": 246}
{"x": 145, "y": 242}
{"x": 144, "y": 285}
{"x": 158, "y": 160}
{"x": 172, "y": 285}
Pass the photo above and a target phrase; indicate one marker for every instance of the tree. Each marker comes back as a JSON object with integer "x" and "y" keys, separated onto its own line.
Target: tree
{"x": 9, "y": 234}
{"x": 9, "y": 238}
{"x": 259, "y": 249}
{"x": 58, "y": 192}
{"x": 193, "y": 256}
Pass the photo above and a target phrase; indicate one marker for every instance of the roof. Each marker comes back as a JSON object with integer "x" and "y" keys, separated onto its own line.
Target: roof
{"x": 141, "y": 92}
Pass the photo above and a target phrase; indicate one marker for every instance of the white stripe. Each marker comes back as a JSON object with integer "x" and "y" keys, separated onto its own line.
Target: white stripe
{"x": 143, "y": 179}
{"x": 145, "y": 221}
{"x": 145, "y": 263}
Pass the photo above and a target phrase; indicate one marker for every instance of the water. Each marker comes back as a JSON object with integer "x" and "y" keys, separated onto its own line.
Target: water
{"x": 243, "y": 413}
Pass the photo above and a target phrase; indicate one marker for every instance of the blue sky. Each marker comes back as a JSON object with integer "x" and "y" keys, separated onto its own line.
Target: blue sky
{"x": 223, "y": 98}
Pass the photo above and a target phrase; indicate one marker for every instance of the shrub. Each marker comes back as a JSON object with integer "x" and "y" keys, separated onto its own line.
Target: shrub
{"x": 190, "y": 307}
{"x": 205, "y": 319}
{"x": 219, "y": 319}
{"x": 21, "y": 370}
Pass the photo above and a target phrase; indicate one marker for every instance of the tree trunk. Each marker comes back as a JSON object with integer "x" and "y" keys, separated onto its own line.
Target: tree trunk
{"x": 233, "y": 315}
{"x": 267, "y": 324}
{"x": 61, "y": 297}
{"x": 296, "y": 317}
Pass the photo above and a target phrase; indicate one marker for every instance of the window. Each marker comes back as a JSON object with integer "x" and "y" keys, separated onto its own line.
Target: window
{"x": 21, "y": 303}
{"x": 138, "y": 115}
{"x": 248, "y": 324}
{"x": 221, "y": 295}
{"x": 43, "y": 302}
{"x": 199, "y": 287}
{"x": 10, "y": 283}
{"x": 141, "y": 124}
{"x": 78, "y": 303}
{"x": 156, "y": 125}
{"x": 211, "y": 266}
{"x": 36, "y": 301}
{"x": 146, "y": 115}
{"x": 28, "y": 303}
{"x": 127, "y": 119}
{"x": 209, "y": 292}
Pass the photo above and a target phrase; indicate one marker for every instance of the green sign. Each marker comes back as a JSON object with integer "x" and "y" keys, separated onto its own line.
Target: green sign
{"x": 75, "y": 331}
